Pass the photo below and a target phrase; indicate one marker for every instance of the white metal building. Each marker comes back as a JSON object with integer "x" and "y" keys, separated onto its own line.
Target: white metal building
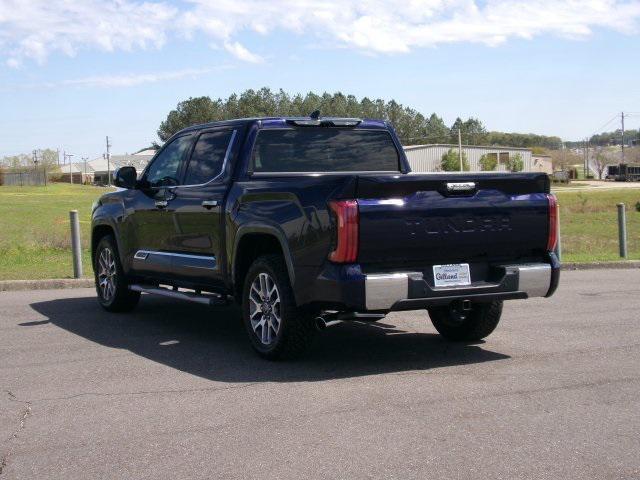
{"x": 99, "y": 165}
{"x": 427, "y": 158}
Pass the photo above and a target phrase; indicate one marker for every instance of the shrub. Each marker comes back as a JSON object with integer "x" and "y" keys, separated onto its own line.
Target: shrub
{"x": 451, "y": 161}
{"x": 488, "y": 162}
{"x": 638, "y": 206}
{"x": 515, "y": 163}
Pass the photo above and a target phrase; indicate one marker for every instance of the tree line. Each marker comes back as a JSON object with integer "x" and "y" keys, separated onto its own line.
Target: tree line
{"x": 412, "y": 127}
{"x": 47, "y": 158}
{"x": 614, "y": 138}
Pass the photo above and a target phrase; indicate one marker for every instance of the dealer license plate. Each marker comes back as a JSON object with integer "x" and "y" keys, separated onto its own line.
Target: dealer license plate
{"x": 451, "y": 275}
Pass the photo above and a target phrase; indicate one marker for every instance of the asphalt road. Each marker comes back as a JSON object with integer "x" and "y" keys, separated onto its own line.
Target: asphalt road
{"x": 174, "y": 391}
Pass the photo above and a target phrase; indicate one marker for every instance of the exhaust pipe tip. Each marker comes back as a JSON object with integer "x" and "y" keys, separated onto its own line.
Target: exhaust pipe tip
{"x": 320, "y": 323}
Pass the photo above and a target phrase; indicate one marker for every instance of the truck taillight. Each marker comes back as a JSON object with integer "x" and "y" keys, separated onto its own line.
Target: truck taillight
{"x": 552, "y": 240}
{"x": 347, "y": 222}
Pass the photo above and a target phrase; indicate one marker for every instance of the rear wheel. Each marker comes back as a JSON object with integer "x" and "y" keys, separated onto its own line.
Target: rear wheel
{"x": 277, "y": 328}
{"x": 455, "y": 323}
{"x": 111, "y": 283}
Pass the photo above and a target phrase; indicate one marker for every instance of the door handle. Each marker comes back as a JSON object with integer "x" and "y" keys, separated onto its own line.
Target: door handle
{"x": 161, "y": 204}
{"x": 208, "y": 204}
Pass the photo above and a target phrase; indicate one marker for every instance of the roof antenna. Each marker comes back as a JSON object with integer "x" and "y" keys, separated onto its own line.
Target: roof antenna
{"x": 315, "y": 114}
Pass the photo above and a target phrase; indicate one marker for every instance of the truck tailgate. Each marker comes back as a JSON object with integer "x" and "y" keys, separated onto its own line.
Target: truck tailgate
{"x": 414, "y": 220}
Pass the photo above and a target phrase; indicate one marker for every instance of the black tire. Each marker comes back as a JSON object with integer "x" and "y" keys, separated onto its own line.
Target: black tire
{"x": 463, "y": 326}
{"x": 118, "y": 298}
{"x": 295, "y": 329}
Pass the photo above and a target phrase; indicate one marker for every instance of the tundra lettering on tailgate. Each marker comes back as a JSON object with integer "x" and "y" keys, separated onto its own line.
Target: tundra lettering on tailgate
{"x": 461, "y": 224}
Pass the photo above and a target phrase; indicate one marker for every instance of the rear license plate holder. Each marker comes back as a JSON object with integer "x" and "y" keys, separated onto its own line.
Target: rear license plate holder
{"x": 451, "y": 275}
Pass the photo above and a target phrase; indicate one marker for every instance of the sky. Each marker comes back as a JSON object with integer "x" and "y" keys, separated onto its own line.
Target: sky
{"x": 74, "y": 71}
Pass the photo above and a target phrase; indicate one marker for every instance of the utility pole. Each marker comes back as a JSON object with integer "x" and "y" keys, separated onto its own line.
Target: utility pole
{"x": 460, "y": 148}
{"x": 84, "y": 159}
{"x": 69, "y": 155}
{"x": 58, "y": 152}
{"x": 108, "y": 163}
{"x": 35, "y": 166}
{"x": 622, "y": 144}
{"x": 584, "y": 159}
{"x": 44, "y": 168}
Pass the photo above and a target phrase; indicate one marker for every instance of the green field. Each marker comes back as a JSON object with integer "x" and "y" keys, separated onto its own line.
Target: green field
{"x": 35, "y": 239}
{"x": 589, "y": 224}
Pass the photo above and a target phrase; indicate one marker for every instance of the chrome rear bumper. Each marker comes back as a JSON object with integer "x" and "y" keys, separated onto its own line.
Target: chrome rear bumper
{"x": 383, "y": 291}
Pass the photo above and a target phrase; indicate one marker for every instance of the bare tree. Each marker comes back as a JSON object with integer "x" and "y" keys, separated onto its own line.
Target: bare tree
{"x": 600, "y": 161}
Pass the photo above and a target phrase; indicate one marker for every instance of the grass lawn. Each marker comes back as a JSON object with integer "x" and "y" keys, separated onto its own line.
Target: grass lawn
{"x": 35, "y": 238}
{"x": 589, "y": 224}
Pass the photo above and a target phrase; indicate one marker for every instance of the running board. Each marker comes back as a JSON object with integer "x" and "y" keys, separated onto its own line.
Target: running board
{"x": 210, "y": 300}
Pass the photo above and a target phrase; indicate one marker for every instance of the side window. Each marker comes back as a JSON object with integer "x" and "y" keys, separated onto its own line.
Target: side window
{"x": 165, "y": 169}
{"x": 207, "y": 157}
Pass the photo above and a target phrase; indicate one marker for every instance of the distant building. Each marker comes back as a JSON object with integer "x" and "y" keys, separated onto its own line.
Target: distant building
{"x": 427, "y": 158}
{"x": 99, "y": 166}
{"x": 148, "y": 151}
{"x": 79, "y": 172}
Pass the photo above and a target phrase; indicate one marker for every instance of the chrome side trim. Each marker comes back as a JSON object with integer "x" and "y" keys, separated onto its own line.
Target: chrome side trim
{"x": 383, "y": 290}
{"x": 171, "y": 254}
{"x": 144, "y": 255}
{"x": 534, "y": 279}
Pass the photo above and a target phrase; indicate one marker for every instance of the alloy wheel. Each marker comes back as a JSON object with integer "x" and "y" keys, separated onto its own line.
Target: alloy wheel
{"x": 107, "y": 274}
{"x": 265, "y": 308}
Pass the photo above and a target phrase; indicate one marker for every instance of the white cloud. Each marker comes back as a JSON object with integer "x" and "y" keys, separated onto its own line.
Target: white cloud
{"x": 120, "y": 80}
{"x": 241, "y": 53}
{"x": 33, "y": 29}
{"x": 133, "y": 79}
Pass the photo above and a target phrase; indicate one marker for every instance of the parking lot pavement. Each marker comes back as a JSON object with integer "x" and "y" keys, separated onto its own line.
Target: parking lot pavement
{"x": 174, "y": 391}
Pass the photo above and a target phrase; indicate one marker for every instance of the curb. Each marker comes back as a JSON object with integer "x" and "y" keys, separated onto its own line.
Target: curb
{"x": 622, "y": 265}
{"x": 15, "y": 285}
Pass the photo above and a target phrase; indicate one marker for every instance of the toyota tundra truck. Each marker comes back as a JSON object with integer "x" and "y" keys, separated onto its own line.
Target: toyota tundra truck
{"x": 306, "y": 222}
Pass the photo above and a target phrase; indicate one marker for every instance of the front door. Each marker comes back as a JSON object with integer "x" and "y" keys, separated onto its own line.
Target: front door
{"x": 151, "y": 211}
{"x": 198, "y": 209}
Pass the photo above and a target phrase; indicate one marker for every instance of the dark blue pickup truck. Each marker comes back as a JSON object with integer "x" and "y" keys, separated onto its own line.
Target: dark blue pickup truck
{"x": 310, "y": 221}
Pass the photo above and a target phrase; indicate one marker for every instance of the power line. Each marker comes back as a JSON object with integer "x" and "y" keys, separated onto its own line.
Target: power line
{"x": 599, "y": 129}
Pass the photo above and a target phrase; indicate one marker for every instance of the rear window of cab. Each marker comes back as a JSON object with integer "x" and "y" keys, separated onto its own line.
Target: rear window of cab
{"x": 324, "y": 149}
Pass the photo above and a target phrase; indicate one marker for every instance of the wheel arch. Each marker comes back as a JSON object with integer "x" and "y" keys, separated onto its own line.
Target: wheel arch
{"x": 253, "y": 241}
{"x": 99, "y": 231}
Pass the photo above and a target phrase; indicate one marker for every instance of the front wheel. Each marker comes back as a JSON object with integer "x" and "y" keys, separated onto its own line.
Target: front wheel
{"x": 455, "y": 323}
{"x": 276, "y": 326}
{"x": 111, "y": 283}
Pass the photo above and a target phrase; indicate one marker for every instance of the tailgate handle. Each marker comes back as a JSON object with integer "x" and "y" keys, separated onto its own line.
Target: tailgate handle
{"x": 208, "y": 204}
{"x": 460, "y": 187}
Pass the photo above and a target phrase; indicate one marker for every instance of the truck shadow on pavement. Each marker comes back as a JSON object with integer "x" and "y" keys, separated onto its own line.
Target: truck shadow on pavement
{"x": 212, "y": 343}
